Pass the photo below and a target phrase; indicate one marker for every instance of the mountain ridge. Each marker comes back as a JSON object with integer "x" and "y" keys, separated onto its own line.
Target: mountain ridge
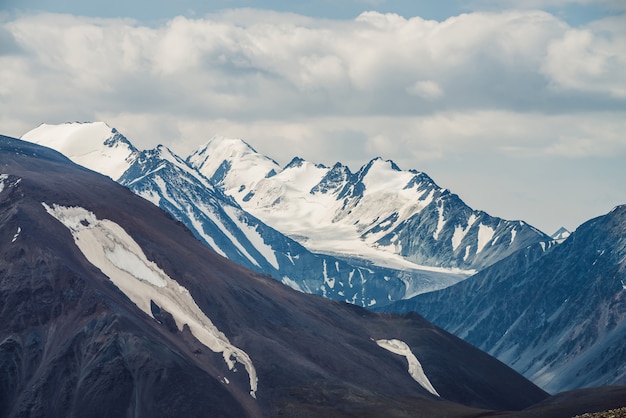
{"x": 377, "y": 212}
{"x": 565, "y": 325}
{"x": 167, "y": 181}
{"x": 91, "y": 322}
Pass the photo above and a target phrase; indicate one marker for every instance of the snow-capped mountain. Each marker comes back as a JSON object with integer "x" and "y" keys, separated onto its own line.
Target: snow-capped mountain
{"x": 557, "y": 314}
{"x": 381, "y": 212}
{"x": 561, "y": 235}
{"x": 163, "y": 178}
{"x": 109, "y": 307}
{"x": 93, "y": 145}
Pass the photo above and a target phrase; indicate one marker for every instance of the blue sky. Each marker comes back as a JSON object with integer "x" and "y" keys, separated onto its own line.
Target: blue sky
{"x": 573, "y": 12}
{"x": 517, "y": 106}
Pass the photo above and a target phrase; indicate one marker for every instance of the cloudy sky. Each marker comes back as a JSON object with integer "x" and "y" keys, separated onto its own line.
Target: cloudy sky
{"x": 517, "y": 106}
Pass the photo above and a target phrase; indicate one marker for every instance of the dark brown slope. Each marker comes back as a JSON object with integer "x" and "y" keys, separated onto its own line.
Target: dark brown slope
{"x": 72, "y": 344}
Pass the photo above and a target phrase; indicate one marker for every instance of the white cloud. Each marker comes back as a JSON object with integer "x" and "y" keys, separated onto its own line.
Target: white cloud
{"x": 504, "y": 85}
{"x": 286, "y": 68}
{"x": 428, "y": 89}
{"x": 590, "y": 62}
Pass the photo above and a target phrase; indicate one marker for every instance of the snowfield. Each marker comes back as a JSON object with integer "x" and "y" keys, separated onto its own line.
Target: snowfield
{"x": 93, "y": 145}
{"x": 107, "y": 246}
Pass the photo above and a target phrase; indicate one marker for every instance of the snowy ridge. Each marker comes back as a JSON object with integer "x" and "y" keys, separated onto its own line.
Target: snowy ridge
{"x": 107, "y": 246}
{"x": 381, "y": 213}
{"x": 223, "y": 150}
{"x": 93, "y": 145}
{"x": 161, "y": 177}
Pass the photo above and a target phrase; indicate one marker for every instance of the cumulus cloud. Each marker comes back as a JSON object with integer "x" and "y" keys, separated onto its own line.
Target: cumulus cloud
{"x": 589, "y": 61}
{"x": 428, "y": 89}
{"x": 511, "y": 84}
{"x": 252, "y": 65}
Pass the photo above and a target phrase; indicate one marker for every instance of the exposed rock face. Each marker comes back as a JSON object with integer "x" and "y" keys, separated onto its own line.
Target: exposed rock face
{"x": 557, "y": 315}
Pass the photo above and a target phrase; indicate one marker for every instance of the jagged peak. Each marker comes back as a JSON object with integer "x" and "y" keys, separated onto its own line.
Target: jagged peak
{"x": 295, "y": 162}
{"x": 339, "y": 166}
{"x": 561, "y": 234}
{"x": 223, "y": 148}
{"x": 231, "y": 159}
{"x": 163, "y": 152}
{"x": 333, "y": 179}
{"x": 224, "y": 145}
{"x": 378, "y": 162}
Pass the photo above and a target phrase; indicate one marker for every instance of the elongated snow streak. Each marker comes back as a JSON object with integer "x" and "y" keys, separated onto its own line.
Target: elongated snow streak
{"x": 415, "y": 367}
{"x": 107, "y": 246}
{"x": 3, "y": 177}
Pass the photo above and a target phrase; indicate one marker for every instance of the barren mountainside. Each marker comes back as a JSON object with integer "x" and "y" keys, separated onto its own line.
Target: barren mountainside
{"x": 556, "y": 314}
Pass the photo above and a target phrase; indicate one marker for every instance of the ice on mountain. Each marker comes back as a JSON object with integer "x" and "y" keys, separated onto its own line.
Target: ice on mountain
{"x": 291, "y": 283}
{"x": 93, "y": 145}
{"x": 440, "y": 221}
{"x": 253, "y": 236}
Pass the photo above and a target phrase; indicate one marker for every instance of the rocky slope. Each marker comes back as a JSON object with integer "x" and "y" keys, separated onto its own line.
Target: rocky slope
{"x": 557, "y": 315}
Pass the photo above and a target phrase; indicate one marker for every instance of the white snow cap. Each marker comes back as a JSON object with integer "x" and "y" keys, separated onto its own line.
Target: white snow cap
{"x": 91, "y": 145}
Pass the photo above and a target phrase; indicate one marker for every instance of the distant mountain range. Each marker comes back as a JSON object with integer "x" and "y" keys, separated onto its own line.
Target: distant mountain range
{"x": 379, "y": 235}
{"x": 557, "y": 314}
{"x": 380, "y": 212}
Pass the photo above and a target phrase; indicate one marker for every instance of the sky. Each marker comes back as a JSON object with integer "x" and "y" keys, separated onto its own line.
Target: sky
{"x": 519, "y": 107}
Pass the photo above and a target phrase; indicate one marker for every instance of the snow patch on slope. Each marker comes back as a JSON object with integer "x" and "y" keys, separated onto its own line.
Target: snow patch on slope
{"x": 440, "y": 222}
{"x": 108, "y": 246}
{"x": 253, "y": 236}
{"x": 3, "y": 177}
{"x": 485, "y": 234}
{"x": 415, "y": 367}
{"x": 17, "y": 234}
{"x": 460, "y": 232}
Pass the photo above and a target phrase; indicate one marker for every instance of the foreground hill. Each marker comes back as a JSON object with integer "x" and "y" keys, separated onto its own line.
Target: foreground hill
{"x": 108, "y": 307}
{"x": 557, "y": 315}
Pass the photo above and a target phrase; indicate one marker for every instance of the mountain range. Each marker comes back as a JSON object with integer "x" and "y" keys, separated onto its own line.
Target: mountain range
{"x": 556, "y": 314}
{"x": 379, "y": 235}
{"x": 387, "y": 239}
{"x": 378, "y": 212}
{"x": 109, "y": 307}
